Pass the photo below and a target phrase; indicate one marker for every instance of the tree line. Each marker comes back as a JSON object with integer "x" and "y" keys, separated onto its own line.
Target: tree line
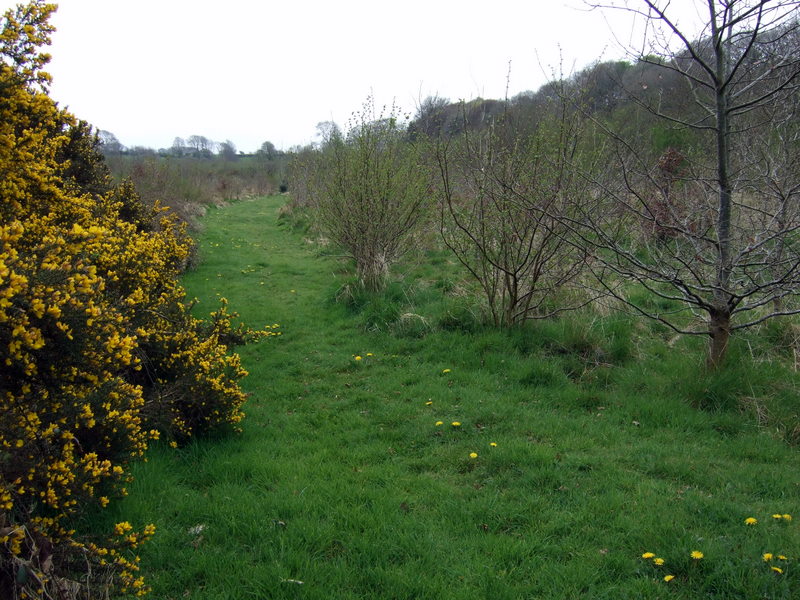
{"x": 669, "y": 182}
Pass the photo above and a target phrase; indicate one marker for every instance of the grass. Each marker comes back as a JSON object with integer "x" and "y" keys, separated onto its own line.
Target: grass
{"x": 609, "y": 443}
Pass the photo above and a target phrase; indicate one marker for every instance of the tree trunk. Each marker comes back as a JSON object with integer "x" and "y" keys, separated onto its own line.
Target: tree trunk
{"x": 719, "y": 329}
{"x": 373, "y": 271}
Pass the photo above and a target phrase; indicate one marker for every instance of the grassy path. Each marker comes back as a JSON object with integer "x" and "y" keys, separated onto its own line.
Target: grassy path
{"x": 342, "y": 479}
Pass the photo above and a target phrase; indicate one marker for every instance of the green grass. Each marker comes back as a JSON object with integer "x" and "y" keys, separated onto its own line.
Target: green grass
{"x": 609, "y": 443}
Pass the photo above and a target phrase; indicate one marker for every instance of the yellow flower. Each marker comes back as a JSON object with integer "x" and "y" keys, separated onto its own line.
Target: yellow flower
{"x": 778, "y": 570}
{"x": 445, "y": 370}
{"x": 777, "y": 517}
{"x": 767, "y": 556}
{"x": 493, "y": 444}
{"x": 438, "y": 423}
{"x": 750, "y": 521}
{"x": 428, "y": 403}
{"x": 473, "y": 455}
{"x": 456, "y": 423}
{"x": 358, "y": 358}
{"x": 669, "y": 578}
{"x": 781, "y": 557}
{"x": 787, "y": 517}
{"x": 369, "y": 353}
{"x": 658, "y": 561}
{"x": 697, "y": 555}
{"x": 648, "y": 555}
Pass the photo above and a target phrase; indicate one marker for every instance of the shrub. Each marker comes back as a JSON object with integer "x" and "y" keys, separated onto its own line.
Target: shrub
{"x": 99, "y": 352}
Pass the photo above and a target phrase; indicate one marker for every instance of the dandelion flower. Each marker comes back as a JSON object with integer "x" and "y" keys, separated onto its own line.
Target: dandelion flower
{"x": 778, "y": 570}
{"x": 697, "y": 555}
{"x": 358, "y": 358}
{"x": 369, "y": 353}
{"x": 777, "y": 517}
{"x": 669, "y": 578}
{"x": 493, "y": 444}
{"x": 781, "y": 557}
{"x": 658, "y": 561}
{"x": 767, "y": 556}
{"x": 750, "y": 521}
{"x": 473, "y": 455}
{"x": 428, "y": 403}
{"x": 787, "y": 517}
{"x": 648, "y": 555}
{"x": 439, "y": 423}
{"x": 456, "y": 423}
{"x": 445, "y": 370}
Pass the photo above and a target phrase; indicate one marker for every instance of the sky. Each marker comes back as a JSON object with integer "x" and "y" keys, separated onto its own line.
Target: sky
{"x": 251, "y": 71}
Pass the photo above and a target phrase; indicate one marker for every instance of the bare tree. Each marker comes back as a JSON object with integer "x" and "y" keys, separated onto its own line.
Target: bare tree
{"x": 725, "y": 207}
{"x": 503, "y": 196}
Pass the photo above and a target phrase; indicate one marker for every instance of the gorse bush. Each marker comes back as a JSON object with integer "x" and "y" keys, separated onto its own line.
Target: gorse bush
{"x": 99, "y": 352}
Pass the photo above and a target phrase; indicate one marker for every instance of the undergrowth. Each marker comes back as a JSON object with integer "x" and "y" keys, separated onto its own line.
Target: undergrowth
{"x": 397, "y": 447}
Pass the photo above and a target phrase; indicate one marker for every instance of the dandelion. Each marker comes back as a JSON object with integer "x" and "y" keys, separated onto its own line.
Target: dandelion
{"x": 358, "y": 358}
{"x": 369, "y": 353}
{"x": 697, "y": 555}
{"x": 669, "y": 578}
{"x": 778, "y": 570}
{"x": 648, "y": 555}
{"x": 777, "y": 517}
{"x": 787, "y": 517}
{"x": 445, "y": 370}
{"x": 750, "y": 521}
{"x": 473, "y": 455}
{"x": 658, "y": 561}
{"x": 456, "y": 423}
{"x": 767, "y": 556}
{"x": 781, "y": 557}
{"x": 493, "y": 444}
{"x": 428, "y": 403}
{"x": 439, "y": 423}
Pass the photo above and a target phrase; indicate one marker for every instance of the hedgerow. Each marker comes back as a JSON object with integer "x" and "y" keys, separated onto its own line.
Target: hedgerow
{"x": 98, "y": 349}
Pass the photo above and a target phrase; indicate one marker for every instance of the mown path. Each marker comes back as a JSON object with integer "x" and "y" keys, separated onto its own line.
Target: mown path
{"x": 343, "y": 485}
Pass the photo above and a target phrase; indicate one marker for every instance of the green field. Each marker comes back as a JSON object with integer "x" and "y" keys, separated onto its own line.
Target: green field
{"x": 597, "y": 439}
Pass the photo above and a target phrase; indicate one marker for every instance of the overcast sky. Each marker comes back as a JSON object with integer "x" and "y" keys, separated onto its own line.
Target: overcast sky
{"x": 257, "y": 70}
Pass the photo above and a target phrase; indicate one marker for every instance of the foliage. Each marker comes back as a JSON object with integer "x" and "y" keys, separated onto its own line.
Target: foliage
{"x": 187, "y": 185}
{"x": 369, "y": 190}
{"x": 100, "y": 354}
